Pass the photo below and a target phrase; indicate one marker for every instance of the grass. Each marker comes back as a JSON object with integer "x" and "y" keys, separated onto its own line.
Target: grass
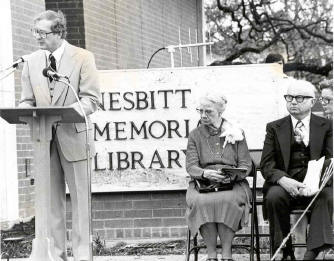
{"x": 17, "y": 243}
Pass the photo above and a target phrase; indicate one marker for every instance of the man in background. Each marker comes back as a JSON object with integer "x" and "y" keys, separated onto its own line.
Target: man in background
{"x": 68, "y": 160}
{"x": 326, "y": 98}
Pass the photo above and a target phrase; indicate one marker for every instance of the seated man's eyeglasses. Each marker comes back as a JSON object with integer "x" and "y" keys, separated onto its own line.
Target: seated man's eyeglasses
{"x": 324, "y": 100}
{"x": 37, "y": 33}
{"x": 299, "y": 98}
{"x": 201, "y": 111}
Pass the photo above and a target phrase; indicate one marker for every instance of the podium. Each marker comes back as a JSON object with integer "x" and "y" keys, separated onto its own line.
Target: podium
{"x": 40, "y": 120}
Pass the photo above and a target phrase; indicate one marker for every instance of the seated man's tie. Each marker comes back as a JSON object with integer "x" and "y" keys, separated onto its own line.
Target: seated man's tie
{"x": 299, "y": 132}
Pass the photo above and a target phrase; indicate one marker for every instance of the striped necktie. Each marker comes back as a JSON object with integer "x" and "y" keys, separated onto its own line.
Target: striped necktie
{"x": 53, "y": 65}
{"x": 298, "y": 132}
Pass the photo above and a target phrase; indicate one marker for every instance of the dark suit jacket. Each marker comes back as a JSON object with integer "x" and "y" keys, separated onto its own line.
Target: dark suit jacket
{"x": 276, "y": 150}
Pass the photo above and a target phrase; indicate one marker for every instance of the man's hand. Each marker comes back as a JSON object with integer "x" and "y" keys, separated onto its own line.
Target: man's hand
{"x": 212, "y": 175}
{"x": 290, "y": 185}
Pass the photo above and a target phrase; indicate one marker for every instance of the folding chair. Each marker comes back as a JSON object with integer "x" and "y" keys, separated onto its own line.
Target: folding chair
{"x": 254, "y": 229}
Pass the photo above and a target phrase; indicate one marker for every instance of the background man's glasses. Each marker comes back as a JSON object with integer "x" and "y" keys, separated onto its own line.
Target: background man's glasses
{"x": 324, "y": 100}
{"x": 298, "y": 98}
{"x": 201, "y": 111}
{"x": 41, "y": 34}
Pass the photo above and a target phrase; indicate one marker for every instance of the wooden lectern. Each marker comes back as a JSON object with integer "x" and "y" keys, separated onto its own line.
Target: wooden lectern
{"x": 40, "y": 120}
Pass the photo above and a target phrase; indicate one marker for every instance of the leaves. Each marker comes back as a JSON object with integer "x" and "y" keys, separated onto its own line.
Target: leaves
{"x": 248, "y": 30}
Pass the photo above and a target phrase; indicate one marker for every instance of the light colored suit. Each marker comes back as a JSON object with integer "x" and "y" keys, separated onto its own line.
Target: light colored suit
{"x": 68, "y": 147}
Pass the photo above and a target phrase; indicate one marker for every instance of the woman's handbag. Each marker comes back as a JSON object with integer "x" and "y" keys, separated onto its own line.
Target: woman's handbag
{"x": 229, "y": 177}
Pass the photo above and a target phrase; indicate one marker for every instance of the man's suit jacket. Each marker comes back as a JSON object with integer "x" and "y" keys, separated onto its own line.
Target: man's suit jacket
{"x": 79, "y": 65}
{"x": 277, "y": 145}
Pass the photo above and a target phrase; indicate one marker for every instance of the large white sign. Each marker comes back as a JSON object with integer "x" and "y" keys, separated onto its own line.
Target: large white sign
{"x": 141, "y": 133}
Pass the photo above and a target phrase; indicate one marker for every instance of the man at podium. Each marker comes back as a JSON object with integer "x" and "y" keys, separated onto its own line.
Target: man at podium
{"x": 68, "y": 157}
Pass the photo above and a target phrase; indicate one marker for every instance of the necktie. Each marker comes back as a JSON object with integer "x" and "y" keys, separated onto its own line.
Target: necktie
{"x": 298, "y": 132}
{"x": 53, "y": 65}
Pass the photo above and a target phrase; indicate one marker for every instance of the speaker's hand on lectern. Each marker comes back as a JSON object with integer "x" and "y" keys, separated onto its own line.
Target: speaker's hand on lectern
{"x": 25, "y": 105}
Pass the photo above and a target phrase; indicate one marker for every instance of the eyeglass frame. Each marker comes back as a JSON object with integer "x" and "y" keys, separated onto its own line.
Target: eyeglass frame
{"x": 298, "y": 98}
{"x": 325, "y": 100}
{"x": 206, "y": 112}
{"x": 41, "y": 34}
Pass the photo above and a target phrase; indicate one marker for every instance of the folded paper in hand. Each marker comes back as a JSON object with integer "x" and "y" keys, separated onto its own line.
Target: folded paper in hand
{"x": 312, "y": 177}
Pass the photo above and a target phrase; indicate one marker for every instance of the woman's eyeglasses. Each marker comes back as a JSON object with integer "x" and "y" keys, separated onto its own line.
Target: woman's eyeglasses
{"x": 201, "y": 111}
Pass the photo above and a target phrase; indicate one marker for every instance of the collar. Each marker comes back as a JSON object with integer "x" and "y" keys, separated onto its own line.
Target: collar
{"x": 57, "y": 54}
{"x": 305, "y": 121}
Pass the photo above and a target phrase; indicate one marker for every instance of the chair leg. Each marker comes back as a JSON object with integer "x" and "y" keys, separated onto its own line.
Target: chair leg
{"x": 257, "y": 237}
{"x": 251, "y": 252}
{"x": 188, "y": 245}
{"x": 271, "y": 244}
{"x": 196, "y": 250}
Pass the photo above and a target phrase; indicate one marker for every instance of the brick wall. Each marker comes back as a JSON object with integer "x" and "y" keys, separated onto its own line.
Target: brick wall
{"x": 143, "y": 215}
{"x": 123, "y": 34}
{"x": 23, "y": 43}
{"x": 137, "y": 215}
{"x": 73, "y": 10}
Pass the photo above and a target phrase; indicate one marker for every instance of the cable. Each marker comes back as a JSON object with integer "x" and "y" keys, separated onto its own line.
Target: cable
{"x": 160, "y": 49}
{"x": 88, "y": 166}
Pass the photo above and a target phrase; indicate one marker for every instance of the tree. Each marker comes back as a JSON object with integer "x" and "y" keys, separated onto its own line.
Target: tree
{"x": 247, "y": 31}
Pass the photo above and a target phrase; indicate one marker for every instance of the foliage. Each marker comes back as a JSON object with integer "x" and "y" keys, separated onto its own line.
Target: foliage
{"x": 247, "y": 31}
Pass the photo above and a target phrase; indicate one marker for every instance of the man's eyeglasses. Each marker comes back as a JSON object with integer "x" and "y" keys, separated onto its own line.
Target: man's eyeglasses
{"x": 298, "y": 98}
{"x": 201, "y": 111}
{"x": 41, "y": 34}
{"x": 324, "y": 100}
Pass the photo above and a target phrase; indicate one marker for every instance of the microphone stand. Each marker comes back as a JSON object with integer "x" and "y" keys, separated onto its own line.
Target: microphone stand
{"x": 13, "y": 69}
{"x": 68, "y": 84}
{"x": 10, "y": 69}
{"x": 327, "y": 175}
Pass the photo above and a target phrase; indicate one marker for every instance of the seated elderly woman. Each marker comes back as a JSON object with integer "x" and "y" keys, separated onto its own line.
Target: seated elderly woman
{"x": 214, "y": 144}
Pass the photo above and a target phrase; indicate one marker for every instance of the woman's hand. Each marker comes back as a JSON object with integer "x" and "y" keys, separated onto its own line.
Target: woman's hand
{"x": 212, "y": 175}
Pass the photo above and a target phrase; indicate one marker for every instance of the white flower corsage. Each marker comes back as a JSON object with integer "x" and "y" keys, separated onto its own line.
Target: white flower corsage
{"x": 231, "y": 133}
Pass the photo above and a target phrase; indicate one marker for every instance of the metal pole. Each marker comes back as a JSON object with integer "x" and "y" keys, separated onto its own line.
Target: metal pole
{"x": 88, "y": 170}
{"x": 327, "y": 175}
{"x": 181, "y": 58}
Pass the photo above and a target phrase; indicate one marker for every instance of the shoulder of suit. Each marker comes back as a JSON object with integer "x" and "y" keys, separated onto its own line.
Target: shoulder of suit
{"x": 279, "y": 121}
{"x": 35, "y": 55}
{"x": 321, "y": 120}
{"x": 79, "y": 50}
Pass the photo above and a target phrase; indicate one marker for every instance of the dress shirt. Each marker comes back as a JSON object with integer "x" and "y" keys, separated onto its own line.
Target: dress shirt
{"x": 57, "y": 54}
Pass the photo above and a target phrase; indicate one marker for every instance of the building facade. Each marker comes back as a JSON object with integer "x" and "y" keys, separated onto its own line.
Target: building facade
{"x": 122, "y": 34}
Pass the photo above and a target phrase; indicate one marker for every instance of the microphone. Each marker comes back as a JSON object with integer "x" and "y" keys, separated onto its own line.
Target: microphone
{"x": 15, "y": 64}
{"x": 48, "y": 72}
{"x": 18, "y": 61}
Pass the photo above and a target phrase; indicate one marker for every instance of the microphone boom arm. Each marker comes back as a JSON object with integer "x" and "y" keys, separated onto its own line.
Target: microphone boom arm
{"x": 68, "y": 84}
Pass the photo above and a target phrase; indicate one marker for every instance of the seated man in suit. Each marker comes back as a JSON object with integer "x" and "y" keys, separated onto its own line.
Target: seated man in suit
{"x": 289, "y": 144}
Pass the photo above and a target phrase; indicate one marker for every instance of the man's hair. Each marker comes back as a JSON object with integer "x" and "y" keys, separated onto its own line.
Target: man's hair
{"x": 303, "y": 83}
{"x": 58, "y": 21}
{"x": 326, "y": 84}
{"x": 274, "y": 58}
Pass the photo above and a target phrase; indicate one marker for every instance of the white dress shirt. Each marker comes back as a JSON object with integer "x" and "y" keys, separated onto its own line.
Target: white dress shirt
{"x": 57, "y": 54}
